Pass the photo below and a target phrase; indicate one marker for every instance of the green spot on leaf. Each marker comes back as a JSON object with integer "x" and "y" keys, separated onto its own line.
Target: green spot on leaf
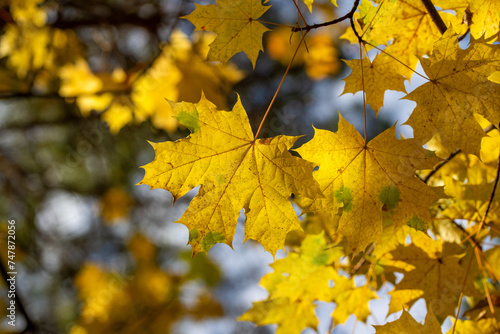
{"x": 417, "y": 223}
{"x": 189, "y": 119}
{"x": 389, "y": 196}
{"x": 211, "y": 239}
{"x": 221, "y": 179}
{"x": 344, "y": 196}
{"x": 193, "y": 235}
{"x": 320, "y": 259}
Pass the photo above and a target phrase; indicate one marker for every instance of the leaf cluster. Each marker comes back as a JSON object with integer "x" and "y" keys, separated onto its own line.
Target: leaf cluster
{"x": 382, "y": 206}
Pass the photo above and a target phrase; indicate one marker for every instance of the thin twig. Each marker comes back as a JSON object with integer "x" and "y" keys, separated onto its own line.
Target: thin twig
{"x": 399, "y": 61}
{"x": 279, "y": 87}
{"x": 441, "y": 164}
{"x": 329, "y": 23}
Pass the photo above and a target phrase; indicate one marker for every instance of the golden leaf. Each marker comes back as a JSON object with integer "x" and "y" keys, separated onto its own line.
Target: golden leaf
{"x": 458, "y": 88}
{"x": 236, "y": 171}
{"x": 367, "y": 183}
{"x": 235, "y": 22}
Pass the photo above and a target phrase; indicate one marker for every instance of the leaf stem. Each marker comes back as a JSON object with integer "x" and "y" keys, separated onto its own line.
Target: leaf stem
{"x": 279, "y": 87}
{"x": 274, "y": 24}
{"x": 299, "y": 13}
{"x": 396, "y": 59}
{"x": 362, "y": 84}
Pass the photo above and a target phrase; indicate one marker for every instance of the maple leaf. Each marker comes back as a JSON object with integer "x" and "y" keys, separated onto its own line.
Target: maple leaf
{"x": 458, "y": 87}
{"x": 406, "y": 324}
{"x": 236, "y": 171}
{"x": 406, "y": 22}
{"x": 297, "y": 281}
{"x": 377, "y": 76}
{"x": 365, "y": 182}
{"x": 235, "y": 22}
{"x": 302, "y": 278}
{"x": 432, "y": 271}
{"x": 483, "y": 326}
{"x": 485, "y": 15}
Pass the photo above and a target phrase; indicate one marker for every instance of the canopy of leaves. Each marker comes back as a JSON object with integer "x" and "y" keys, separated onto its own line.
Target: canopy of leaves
{"x": 85, "y": 85}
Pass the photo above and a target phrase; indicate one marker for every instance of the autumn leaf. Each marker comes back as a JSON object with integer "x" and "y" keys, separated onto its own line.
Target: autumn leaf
{"x": 302, "y": 278}
{"x": 406, "y": 324}
{"x": 236, "y": 171}
{"x": 483, "y": 326}
{"x": 485, "y": 15}
{"x": 406, "y": 22}
{"x": 296, "y": 282}
{"x": 431, "y": 271}
{"x": 236, "y": 25}
{"x": 458, "y": 87}
{"x": 364, "y": 183}
{"x": 377, "y": 76}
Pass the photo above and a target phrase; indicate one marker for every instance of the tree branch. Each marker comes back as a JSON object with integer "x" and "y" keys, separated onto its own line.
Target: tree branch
{"x": 438, "y": 21}
{"x": 329, "y": 23}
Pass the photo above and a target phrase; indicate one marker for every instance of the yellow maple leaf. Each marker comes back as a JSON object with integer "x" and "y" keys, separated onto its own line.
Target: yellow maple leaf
{"x": 350, "y": 299}
{"x": 406, "y": 22}
{"x": 365, "y": 182}
{"x": 236, "y": 171}
{"x": 291, "y": 318}
{"x": 302, "y": 278}
{"x": 296, "y": 282}
{"x": 485, "y": 15}
{"x": 458, "y": 88}
{"x": 304, "y": 275}
{"x": 407, "y": 325}
{"x": 431, "y": 271}
{"x": 378, "y": 76}
{"x": 483, "y": 326}
{"x": 235, "y": 22}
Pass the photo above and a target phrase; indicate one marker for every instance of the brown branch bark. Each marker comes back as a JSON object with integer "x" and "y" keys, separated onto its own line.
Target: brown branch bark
{"x": 438, "y": 21}
{"x": 329, "y": 23}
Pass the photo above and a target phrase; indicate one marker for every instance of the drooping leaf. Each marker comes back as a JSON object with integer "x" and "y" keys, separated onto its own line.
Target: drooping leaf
{"x": 236, "y": 25}
{"x": 458, "y": 88}
{"x": 367, "y": 183}
{"x": 235, "y": 171}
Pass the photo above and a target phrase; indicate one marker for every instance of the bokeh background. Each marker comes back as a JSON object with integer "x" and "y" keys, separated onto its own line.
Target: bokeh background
{"x": 83, "y": 88}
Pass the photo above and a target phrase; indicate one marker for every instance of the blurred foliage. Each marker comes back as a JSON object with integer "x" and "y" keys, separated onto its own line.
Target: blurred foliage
{"x": 84, "y": 86}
